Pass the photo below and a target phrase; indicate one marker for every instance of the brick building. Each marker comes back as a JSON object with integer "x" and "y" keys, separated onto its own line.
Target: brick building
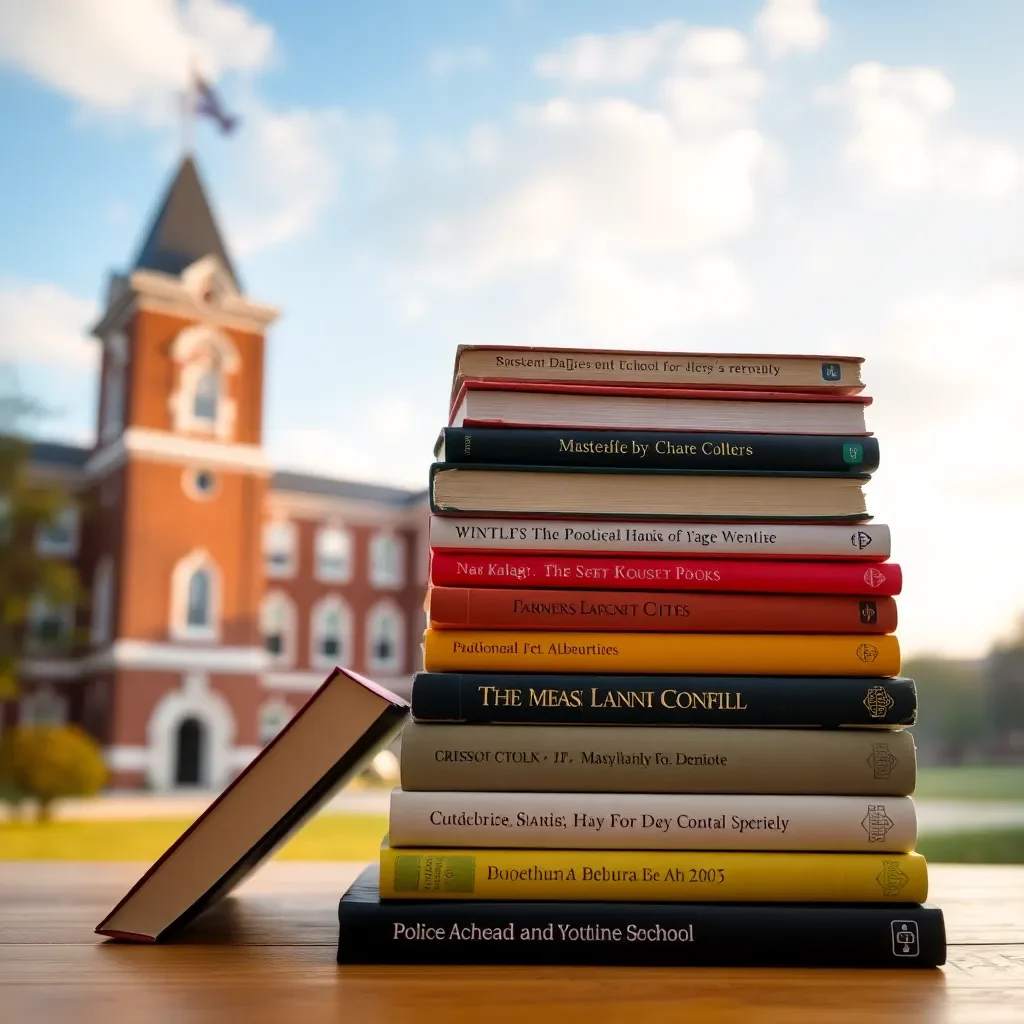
{"x": 221, "y": 591}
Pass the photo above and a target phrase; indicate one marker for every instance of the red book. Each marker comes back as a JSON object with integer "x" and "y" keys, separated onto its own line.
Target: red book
{"x": 566, "y": 572}
{"x": 645, "y": 612}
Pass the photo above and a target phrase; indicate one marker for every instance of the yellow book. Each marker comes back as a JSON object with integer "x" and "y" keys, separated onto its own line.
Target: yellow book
{"x": 471, "y": 650}
{"x": 637, "y": 875}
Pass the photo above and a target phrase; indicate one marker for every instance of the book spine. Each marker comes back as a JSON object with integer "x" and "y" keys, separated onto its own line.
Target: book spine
{"x": 643, "y": 611}
{"x": 735, "y": 453}
{"x": 774, "y": 654}
{"x": 690, "y": 876}
{"x": 608, "y": 821}
{"x": 866, "y": 542}
{"x": 747, "y": 372}
{"x": 641, "y": 934}
{"x": 656, "y": 759}
{"x": 718, "y": 700}
{"x": 565, "y": 571}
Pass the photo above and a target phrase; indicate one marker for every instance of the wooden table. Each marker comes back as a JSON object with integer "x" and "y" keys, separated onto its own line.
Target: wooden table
{"x": 267, "y": 955}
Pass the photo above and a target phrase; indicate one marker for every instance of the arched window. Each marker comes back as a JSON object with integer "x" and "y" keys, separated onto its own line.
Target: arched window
{"x": 102, "y": 600}
{"x": 49, "y": 626}
{"x": 195, "y": 598}
{"x": 387, "y": 561}
{"x": 274, "y": 716}
{"x": 330, "y": 633}
{"x": 333, "y": 555}
{"x": 206, "y": 396}
{"x": 385, "y": 638}
{"x": 277, "y": 623}
{"x": 113, "y": 399}
{"x": 280, "y": 542}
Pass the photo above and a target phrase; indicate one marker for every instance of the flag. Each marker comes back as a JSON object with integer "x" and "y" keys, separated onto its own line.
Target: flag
{"x": 208, "y": 102}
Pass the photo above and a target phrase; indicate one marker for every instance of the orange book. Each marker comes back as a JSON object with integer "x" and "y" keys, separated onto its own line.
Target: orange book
{"x": 646, "y": 612}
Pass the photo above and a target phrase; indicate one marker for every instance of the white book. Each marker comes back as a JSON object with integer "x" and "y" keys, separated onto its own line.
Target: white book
{"x": 653, "y": 821}
{"x": 477, "y": 533}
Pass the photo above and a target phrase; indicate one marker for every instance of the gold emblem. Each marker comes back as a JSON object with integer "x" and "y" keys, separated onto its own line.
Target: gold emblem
{"x": 891, "y": 878}
{"x": 878, "y": 701}
{"x": 867, "y": 652}
{"x": 881, "y": 761}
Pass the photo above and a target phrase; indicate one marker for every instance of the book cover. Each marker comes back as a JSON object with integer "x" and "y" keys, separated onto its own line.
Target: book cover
{"x": 657, "y": 759}
{"x": 626, "y": 933}
{"x": 595, "y": 572}
{"x": 653, "y": 821}
{"x": 713, "y": 700}
{"x": 325, "y": 743}
{"x": 809, "y": 541}
{"x": 839, "y": 374}
{"x": 646, "y": 612}
{"x": 687, "y": 875}
{"x": 773, "y": 654}
{"x": 658, "y": 449}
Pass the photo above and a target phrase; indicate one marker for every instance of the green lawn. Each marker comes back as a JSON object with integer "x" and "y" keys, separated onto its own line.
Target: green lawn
{"x": 992, "y": 846}
{"x": 328, "y": 837}
{"x": 971, "y": 782}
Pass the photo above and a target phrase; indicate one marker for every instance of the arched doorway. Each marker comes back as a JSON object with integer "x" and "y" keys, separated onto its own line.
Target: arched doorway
{"x": 190, "y": 753}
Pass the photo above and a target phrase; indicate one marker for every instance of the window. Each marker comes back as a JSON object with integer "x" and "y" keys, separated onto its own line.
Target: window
{"x": 43, "y": 707}
{"x": 6, "y": 520}
{"x": 113, "y": 399}
{"x": 333, "y": 554}
{"x": 330, "y": 633}
{"x": 385, "y": 638}
{"x": 387, "y": 561}
{"x": 274, "y": 716}
{"x": 60, "y": 536}
{"x": 49, "y": 626}
{"x": 195, "y": 598}
{"x": 199, "y": 483}
{"x": 277, "y": 624}
{"x": 102, "y": 600}
{"x": 206, "y": 396}
{"x": 200, "y": 403}
{"x": 279, "y": 544}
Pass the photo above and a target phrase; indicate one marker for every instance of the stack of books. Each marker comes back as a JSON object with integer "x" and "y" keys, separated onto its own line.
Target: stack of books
{"x": 661, "y": 719}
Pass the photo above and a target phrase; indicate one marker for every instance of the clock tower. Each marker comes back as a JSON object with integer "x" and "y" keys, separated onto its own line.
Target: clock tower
{"x": 179, "y": 478}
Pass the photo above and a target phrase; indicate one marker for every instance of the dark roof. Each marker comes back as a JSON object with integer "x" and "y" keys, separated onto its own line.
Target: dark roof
{"x": 305, "y": 483}
{"x": 54, "y": 453}
{"x": 184, "y": 229}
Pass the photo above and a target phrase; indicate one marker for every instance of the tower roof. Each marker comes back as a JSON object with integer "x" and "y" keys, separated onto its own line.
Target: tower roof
{"x": 184, "y": 229}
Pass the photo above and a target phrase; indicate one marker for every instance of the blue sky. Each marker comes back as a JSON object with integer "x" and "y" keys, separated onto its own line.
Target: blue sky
{"x": 757, "y": 176}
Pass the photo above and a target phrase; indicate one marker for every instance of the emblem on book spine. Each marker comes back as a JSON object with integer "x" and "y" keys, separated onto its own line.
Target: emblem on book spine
{"x": 873, "y": 577}
{"x": 878, "y": 701}
{"x": 867, "y": 652}
{"x": 860, "y": 539}
{"x": 891, "y": 878}
{"x": 881, "y": 761}
{"x": 868, "y": 613}
{"x": 876, "y": 823}
{"x": 831, "y": 371}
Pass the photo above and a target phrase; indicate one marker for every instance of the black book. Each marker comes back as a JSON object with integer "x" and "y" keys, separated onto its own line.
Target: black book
{"x": 371, "y": 931}
{"x": 659, "y": 449}
{"x": 787, "y": 701}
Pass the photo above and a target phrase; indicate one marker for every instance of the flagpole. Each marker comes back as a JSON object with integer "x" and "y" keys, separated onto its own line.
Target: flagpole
{"x": 188, "y": 106}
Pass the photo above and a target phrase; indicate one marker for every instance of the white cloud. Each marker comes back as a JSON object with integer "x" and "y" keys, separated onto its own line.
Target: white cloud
{"x": 448, "y": 62}
{"x": 620, "y": 57}
{"x": 42, "y": 325}
{"x": 791, "y": 26}
{"x": 901, "y": 146}
{"x": 130, "y": 56}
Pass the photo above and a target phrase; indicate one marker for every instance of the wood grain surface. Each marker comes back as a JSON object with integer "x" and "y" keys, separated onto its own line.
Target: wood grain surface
{"x": 267, "y": 955}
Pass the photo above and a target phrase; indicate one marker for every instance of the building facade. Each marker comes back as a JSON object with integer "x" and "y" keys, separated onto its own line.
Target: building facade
{"x": 221, "y": 592}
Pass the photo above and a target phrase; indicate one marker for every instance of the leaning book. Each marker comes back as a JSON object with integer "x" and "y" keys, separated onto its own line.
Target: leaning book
{"x": 346, "y": 721}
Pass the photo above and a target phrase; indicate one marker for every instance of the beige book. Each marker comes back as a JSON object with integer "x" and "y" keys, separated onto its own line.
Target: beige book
{"x": 648, "y": 759}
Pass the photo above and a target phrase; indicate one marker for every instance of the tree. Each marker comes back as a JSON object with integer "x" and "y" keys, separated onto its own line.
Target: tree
{"x": 25, "y": 507}
{"x": 1005, "y": 692}
{"x": 951, "y": 716}
{"x": 46, "y": 762}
